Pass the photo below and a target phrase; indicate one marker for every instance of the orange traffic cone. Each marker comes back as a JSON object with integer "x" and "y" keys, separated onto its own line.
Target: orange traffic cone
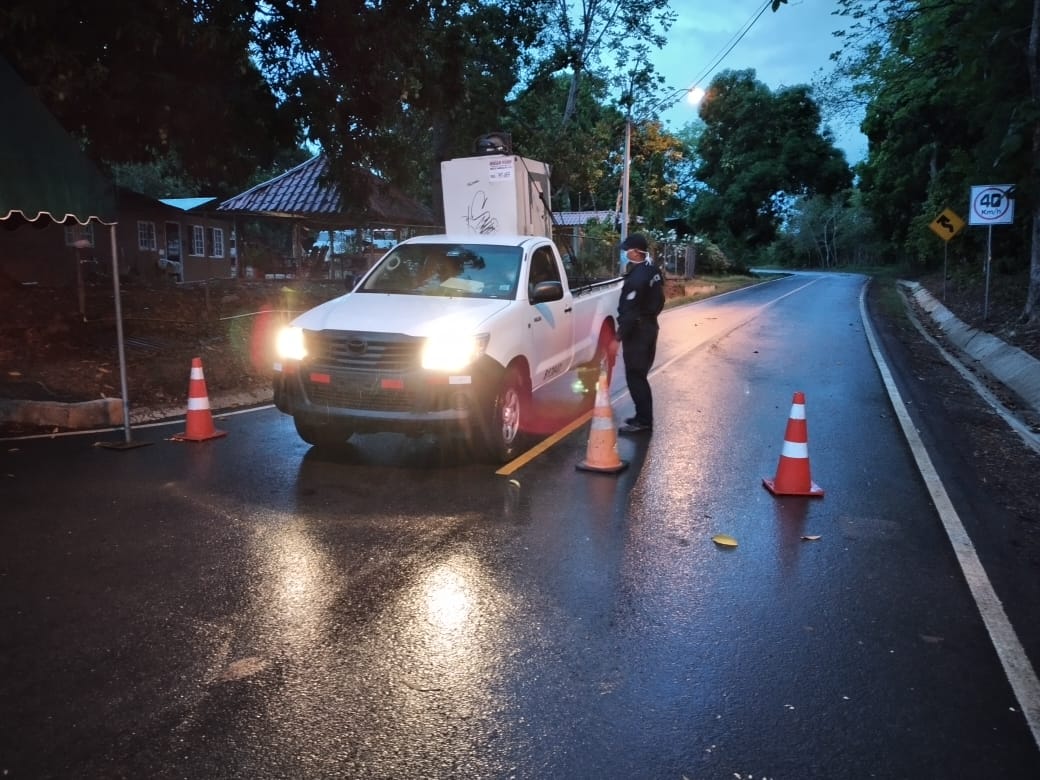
{"x": 602, "y": 454}
{"x": 792, "y": 473}
{"x": 200, "y": 419}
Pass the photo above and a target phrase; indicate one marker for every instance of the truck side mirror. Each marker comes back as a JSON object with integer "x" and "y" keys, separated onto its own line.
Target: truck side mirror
{"x": 543, "y": 292}
{"x": 350, "y": 281}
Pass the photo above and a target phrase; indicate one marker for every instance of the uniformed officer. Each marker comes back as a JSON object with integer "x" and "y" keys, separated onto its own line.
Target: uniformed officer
{"x": 642, "y": 299}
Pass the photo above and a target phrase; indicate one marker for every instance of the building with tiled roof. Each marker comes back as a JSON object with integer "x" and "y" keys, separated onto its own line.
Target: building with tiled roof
{"x": 304, "y": 193}
{"x": 580, "y": 218}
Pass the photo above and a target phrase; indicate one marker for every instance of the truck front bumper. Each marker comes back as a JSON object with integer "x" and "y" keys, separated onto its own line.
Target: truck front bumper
{"x": 413, "y": 402}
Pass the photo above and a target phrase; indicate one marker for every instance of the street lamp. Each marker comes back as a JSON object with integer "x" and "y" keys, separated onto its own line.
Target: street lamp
{"x": 694, "y": 96}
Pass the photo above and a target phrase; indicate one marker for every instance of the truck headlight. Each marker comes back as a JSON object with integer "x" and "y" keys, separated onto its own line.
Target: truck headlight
{"x": 449, "y": 352}
{"x": 289, "y": 344}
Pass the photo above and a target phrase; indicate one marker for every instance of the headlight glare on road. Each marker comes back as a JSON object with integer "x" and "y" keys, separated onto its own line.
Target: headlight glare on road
{"x": 450, "y": 352}
{"x": 289, "y": 344}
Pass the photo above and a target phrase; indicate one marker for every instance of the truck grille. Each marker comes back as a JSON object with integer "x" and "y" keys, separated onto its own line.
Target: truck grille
{"x": 356, "y": 364}
{"x": 347, "y": 351}
{"x": 351, "y": 394}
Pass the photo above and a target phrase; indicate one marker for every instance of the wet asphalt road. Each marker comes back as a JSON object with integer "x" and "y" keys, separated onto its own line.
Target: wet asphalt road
{"x": 248, "y": 607}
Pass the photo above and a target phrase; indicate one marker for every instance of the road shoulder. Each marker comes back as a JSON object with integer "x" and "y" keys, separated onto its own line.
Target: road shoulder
{"x": 988, "y": 471}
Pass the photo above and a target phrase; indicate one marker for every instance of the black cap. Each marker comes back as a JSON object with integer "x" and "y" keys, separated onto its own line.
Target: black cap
{"x": 635, "y": 241}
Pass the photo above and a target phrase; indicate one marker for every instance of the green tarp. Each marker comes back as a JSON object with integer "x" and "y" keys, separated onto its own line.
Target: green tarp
{"x": 44, "y": 175}
{"x": 43, "y": 172}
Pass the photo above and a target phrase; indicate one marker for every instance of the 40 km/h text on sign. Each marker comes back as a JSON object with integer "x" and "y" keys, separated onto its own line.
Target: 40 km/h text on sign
{"x": 991, "y": 205}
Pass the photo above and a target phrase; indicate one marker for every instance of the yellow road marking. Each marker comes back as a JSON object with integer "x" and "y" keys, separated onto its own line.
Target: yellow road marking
{"x": 544, "y": 444}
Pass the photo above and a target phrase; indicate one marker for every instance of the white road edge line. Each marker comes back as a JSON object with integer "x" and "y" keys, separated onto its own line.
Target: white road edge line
{"x": 1020, "y": 672}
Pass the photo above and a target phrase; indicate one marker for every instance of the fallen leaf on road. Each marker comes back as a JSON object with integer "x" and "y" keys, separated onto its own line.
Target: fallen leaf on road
{"x": 243, "y": 667}
{"x": 723, "y": 540}
{"x": 811, "y": 538}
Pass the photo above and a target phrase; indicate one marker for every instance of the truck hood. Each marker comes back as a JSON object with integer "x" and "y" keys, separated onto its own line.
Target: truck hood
{"x": 411, "y": 315}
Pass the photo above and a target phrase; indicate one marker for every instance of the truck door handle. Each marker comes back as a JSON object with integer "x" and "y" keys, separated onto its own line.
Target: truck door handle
{"x": 568, "y": 310}
{"x": 537, "y": 319}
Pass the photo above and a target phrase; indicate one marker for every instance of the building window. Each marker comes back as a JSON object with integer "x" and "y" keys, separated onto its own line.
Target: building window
{"x": 146, "y": 235}
{"x": 198, "y": 241}
{"x": 76, "y": 234}
{"x": 216, "y": 241}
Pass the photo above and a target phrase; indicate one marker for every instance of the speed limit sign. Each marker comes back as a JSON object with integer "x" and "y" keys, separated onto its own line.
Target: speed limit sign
{"x": 991, "y": 204}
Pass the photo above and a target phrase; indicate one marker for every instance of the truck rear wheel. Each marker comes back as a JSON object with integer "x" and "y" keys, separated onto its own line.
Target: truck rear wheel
{"x": 322, "y": 434}
{"x": 504, "y": 435}
{"x": 589, "y": 372}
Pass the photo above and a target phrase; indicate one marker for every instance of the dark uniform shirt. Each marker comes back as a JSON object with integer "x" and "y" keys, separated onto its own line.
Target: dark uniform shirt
{"x": 642, "y": 298}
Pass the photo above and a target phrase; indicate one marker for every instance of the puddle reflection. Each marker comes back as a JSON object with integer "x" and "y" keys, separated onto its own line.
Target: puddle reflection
{"x": 298, "y": 587}
{"x": 448, "y": 601}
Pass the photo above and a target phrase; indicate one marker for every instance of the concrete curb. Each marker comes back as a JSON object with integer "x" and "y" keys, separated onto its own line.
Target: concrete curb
{"x": 72, "y": 416}
{"x": 108, "y": 412}
{"x": 1016, "y": 370}
{"x": 218, "y": 404}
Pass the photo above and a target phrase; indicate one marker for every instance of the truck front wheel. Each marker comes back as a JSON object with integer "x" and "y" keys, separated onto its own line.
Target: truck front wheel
{"x": 322, "y": 434}
{"x": 505, "y": 433}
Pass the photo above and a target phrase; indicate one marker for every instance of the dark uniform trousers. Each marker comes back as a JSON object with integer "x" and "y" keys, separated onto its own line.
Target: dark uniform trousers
{"x": 640, "y": 348}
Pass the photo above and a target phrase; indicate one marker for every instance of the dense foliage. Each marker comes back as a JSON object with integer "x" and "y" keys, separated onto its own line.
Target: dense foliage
{"x": 149, "y": 81}
{"x": 758, "y": 150}
{"x": 396, "y": 87}
{"x": 584, "y": 154}
{"x": 951, "y": 93}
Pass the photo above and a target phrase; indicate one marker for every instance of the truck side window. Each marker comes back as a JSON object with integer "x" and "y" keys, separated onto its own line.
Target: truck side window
{"x": 543, "y": 269}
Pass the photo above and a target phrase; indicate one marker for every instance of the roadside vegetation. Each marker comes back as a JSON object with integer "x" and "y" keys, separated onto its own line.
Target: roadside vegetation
{"x": 700, "y": 287}
{"x": 948, "y": 92}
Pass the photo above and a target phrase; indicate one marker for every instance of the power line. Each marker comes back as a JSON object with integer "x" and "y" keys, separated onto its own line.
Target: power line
{"x": 732, "y": 43}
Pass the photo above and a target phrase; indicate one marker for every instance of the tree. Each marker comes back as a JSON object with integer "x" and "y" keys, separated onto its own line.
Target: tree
{"x": 152, "y": 80}
{"x": 162, "y": 177}
{"x": 828, "y": 232}
{"x": 576, "y": 43}
{"x": 583, "y": 160}
{"x": 1031, "y": 312}
{"x": 915, "y": 124}
{"x": 759, "y": 149}
{"x": 684, "y": 171}
{"x": 396, "y": 87}
{"x": 656, "y": 158}
{"x": 947, "y": 108}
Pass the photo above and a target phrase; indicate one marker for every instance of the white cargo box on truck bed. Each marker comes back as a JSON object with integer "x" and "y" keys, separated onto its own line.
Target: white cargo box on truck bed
{"x": 496, "y": 195}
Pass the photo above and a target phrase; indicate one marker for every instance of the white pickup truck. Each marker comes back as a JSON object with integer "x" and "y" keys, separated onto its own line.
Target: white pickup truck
{"x": 447, "y": 332}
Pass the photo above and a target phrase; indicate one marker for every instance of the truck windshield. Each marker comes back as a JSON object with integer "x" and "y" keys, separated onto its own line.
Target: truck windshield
{"x": 458, "y": 270}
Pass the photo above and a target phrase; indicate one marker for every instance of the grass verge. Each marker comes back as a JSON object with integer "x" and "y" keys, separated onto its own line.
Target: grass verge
{"x": 701, "y": 287}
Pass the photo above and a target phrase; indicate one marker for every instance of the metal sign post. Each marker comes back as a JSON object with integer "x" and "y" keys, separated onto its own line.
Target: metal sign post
{"x": 991, "y": 204}
{"x": 946, "y": 260}
{"x": 946, "y": 226}
{"x": 989, "y": 264}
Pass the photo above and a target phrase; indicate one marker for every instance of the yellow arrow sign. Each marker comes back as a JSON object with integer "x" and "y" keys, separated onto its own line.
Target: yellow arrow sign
{"x": 946, "y": 225}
